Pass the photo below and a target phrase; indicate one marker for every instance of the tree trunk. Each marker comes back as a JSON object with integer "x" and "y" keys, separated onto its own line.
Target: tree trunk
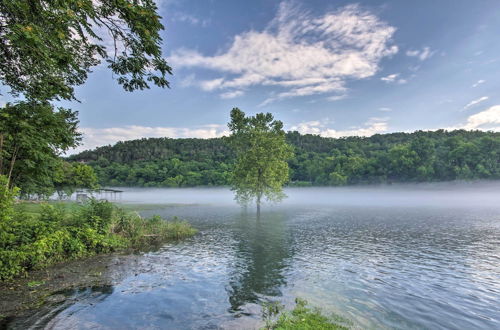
{"x": 259, "y": 196}
{"x": 12, "y": 162}
{"x": 1, "y": 154}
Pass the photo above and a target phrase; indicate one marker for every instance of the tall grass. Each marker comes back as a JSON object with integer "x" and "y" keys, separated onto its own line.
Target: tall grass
{"x": 55, "y": 233}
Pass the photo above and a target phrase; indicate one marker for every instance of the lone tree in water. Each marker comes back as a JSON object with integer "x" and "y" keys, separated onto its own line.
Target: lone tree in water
{"x": 261, "y": 167}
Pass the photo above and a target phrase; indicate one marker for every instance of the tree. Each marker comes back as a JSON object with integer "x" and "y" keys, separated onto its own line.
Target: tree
{"x": 48, "y": 47}
{"x": 72, "y": 176}
{"x": 32, "y": 137}
{"x": 261, "y": 167}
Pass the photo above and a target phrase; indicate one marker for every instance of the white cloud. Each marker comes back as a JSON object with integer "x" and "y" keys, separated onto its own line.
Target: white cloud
{"x": 209, "y": 85}
{"x": 188, "y": 81}
{"x": 372, "y": 126}
{"x": 488, "y": 119}
{"x": 475, "y": 102}
{"x": 190, "y": 19}
{"x": 394, "y": 78}
{"x": 231, "y": 95}
{"x": 479, "y": 82}
{"x": 385, "y": 109}
{"x": 336, "y": 97}
{"x": 94, "y": 137}
{"x": 299, "y": 54}
{"x": 423, "y": 54}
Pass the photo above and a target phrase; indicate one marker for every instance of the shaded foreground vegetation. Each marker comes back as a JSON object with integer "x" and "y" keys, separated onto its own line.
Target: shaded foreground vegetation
{"x": 301, "y": 317}
{"x": 382, "y": 158}
{"x": 35, "y": 240}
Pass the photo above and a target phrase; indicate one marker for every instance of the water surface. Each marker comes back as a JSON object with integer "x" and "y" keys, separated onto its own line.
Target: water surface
{"x": 397, "y": 257}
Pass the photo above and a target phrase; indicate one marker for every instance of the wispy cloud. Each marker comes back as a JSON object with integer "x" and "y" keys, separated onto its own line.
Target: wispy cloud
{"x": 385, "y": 109}
{"x": 422, "y": 54}
{"x": 299, "y": 54}
{"x": 231, "y": 95}
{"x": 95, "y": 137}
{"x": 394, "y": 78}
{"x": 371, "y": 127}
{"x": 188, "y": 80}
{"x": 189, "y": 19}
{"x": 475, "y": 102}
{"x": 479, "y": 82}
{"x": 487, "y": 120}
{"x": 336, "y": 97}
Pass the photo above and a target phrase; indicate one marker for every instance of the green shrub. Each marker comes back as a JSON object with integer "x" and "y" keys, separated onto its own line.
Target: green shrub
{"x": 57, "y": 233}
{"x": 142, "y": 231}
{"x": 300, "y": 318}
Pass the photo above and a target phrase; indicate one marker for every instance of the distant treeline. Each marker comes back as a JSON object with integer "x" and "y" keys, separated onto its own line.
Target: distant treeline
{"x": 382, "y": 158}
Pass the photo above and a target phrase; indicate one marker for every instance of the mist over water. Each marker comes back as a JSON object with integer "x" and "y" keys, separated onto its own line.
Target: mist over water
{"x": 386, "y": 257}
{"x": 455, "y": 194}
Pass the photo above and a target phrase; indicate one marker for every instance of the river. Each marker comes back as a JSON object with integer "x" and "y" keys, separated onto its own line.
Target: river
{"x": 385, "y": 257}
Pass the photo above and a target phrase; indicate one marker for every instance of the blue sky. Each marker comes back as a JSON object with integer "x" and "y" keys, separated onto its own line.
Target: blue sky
{"x": 333, "y": 68}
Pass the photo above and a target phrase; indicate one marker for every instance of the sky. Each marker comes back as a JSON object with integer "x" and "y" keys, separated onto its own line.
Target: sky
{"x": 334, "y": 68}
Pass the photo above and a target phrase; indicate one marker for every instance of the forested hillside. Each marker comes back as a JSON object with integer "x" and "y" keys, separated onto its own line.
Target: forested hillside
{"x": 397, "y": 157}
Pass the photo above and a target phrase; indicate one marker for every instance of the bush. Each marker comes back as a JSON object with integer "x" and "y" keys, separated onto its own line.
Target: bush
{"x": 57, "y": 234}
{"x": 143, "y": 231}
{"x": 300, "y": 318}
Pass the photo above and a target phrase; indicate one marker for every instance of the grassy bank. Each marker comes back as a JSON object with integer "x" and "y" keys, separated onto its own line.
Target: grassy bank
{"x": 33, "y": 236}
{"x": 302, "y": 317}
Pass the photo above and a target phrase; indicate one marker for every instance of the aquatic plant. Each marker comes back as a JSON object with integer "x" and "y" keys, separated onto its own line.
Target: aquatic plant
{"x": 301, "y": 317}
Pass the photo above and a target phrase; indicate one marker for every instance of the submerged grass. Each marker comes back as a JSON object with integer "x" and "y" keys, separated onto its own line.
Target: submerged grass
{"x": 301, "y": 317}
{"x": 33, "y": 236}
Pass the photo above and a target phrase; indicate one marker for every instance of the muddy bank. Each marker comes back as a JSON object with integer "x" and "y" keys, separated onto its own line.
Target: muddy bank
{"x": 55, "y": 285}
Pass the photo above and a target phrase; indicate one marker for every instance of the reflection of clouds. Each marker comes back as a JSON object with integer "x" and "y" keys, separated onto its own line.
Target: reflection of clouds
{"x": 482, "y": 259}
{"x": 409, "y": 266}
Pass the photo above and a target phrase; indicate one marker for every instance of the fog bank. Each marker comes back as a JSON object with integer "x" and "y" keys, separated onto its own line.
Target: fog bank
{"x": 449, "y": 194}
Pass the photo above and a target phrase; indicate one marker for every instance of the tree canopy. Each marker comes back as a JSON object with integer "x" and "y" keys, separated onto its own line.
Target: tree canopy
{"x": 48, "y": 47}
{"x": 73, "y": 176}
{"x": 433, "y": 156}
{"x": 32, "y": 137}
{"x": 261, "y": 167}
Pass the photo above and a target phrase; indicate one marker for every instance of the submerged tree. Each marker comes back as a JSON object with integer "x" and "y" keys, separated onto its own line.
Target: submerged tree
{"x": 261, "y": 167}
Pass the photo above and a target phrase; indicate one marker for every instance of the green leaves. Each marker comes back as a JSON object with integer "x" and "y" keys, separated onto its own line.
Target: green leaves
{"x": 48, "y": 47}
{"x": 261, "y": 167}
{"x": 33, "y": 136}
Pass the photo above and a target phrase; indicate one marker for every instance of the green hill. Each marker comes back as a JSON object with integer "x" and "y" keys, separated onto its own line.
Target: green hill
{"x": 382, "y": 158}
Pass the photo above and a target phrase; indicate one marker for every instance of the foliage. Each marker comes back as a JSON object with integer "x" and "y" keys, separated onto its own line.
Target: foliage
{"x": 30, "y": 241}
{"x": 48, "y": 47}
{"x": 382, "y": 158}
{"x": 73, "y": 176}
{"x": 301, "y": 317}
{"x": 261, "y": 167}
{"x": 161, "y": 162}
{"x": 6, "y": 200}
{"x": 32, "y": 137}
{"x": 139, "y": 231}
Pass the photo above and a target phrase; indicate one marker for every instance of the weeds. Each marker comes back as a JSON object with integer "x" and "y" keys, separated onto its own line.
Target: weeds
{"x": 32, "y": 241}
{"x": 301, "y": 317}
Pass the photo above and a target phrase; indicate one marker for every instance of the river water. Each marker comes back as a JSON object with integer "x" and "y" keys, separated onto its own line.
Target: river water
{"x": 395, "y": 257}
